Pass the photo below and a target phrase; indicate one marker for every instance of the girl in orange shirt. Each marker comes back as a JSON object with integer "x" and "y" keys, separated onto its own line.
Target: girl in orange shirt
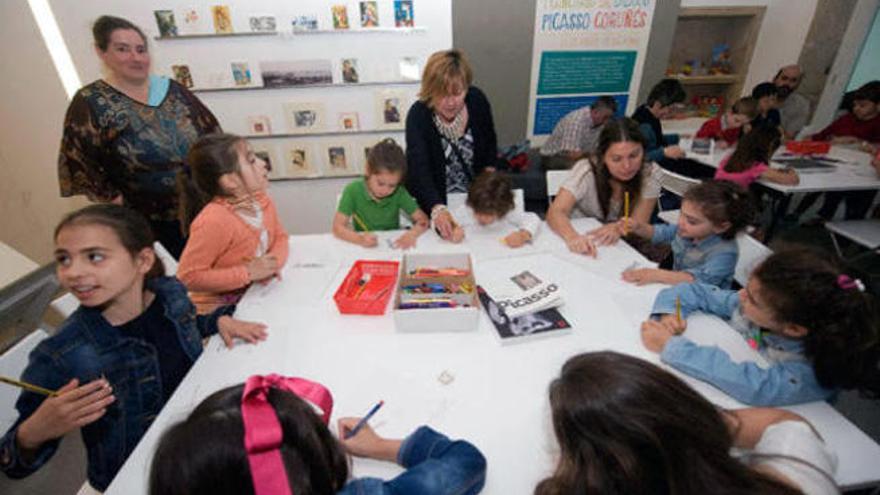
{"x": 235, "y": 237}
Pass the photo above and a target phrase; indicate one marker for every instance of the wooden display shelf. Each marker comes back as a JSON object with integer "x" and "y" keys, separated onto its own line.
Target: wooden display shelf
{"x": 709, "y": 79}
{"x": 303, "y": 86}
{"x": 323, "y": 133}
{"x": 216, "y": 35}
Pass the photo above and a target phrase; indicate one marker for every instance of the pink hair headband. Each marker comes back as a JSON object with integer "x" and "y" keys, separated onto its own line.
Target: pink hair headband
{"x": 262, "y": 430}
{"x": 846, "y": 282}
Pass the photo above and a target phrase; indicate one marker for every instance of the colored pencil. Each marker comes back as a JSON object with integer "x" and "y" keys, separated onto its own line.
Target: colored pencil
{"x": 625, "y": 212}
{"x": 360, "y": 222}
{"x": 28, "y": 386}
{"x": 354, "y": 431}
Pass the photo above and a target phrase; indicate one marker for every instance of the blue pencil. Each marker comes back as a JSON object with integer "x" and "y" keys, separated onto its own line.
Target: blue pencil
{"x": 364, "y": 420}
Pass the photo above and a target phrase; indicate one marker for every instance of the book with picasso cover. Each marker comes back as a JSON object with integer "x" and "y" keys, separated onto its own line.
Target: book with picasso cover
{"x": 542, "y": 323}
{"x": 525, "y": 293}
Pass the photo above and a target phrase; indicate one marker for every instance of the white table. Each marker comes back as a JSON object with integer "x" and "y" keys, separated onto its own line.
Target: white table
{"x": 498, "y": 398}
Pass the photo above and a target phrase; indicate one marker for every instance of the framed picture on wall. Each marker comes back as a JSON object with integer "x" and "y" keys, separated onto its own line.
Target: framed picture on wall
{"x": 165, "y": 21}
{"x": 282, "y": 74}
{"x": 348, "y": 121}
{"x": 259, "y": 125}
{"x": 192, "y": 21}
{"x": 391, "y": 108}
{"x": 304, "y": 23}
{"x": 182, "y": 75}
{"x": 340, "y": 16}
{"x": 403, "y": 13}
{"x": 350, "y": 70}
{"x": 339, "y": 161}
{"x": 241, "y": 73}
{"x": 369, "y": 14}
{"x": 262, "y": 23}
{"x": 300, "y": 161}
{"x": 222, "y": 19}
{"x": 305, "y": 117}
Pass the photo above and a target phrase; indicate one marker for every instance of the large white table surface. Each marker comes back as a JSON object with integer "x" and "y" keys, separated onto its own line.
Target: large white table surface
{"x": 853, "y": 172}
{"x": 498, "y": 396}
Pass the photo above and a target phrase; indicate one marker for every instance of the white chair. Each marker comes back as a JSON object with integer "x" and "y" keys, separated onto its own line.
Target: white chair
{"x": 862, "y": 232}
{"x": 676, "y": 184}
{"x": 166, "y": 259}
{"x": 555, "y": 179}
{"x": 751, "y": 254}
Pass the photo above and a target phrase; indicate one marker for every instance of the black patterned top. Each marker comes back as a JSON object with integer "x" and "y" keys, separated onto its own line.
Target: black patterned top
{"x": 115, "y": 145}
{"x": 459, "y": 159}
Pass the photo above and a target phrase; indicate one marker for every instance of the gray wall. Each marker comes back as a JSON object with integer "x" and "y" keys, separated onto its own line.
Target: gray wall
{"x": 497, "y": 36}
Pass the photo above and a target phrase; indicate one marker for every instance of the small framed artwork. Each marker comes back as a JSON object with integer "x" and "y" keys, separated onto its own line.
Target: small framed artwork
{"x": 369, "y": 14}
{"x": 259, "y": 125}
{"x": 182, "y": 75}
{"x": 339, "y": 161}
{"x": 350, "y": 70}
{"x": 262, "y": 23}
{"x": 241, "y": 73}
{"x": 409, "y": 69}
{"x": 192, "y": 21}
{"x": 391, "y": 109}
{"x": 300, "y": 161}
{"x": 305, "y": 117}
{"x": 165, "y": 21}
{"x": 349, "y": 121}
{"x": 340, "y": 16}
{"x": 222, "y": 19}
{"x": 403, "y": 13}
{"x": 304, "y": 23}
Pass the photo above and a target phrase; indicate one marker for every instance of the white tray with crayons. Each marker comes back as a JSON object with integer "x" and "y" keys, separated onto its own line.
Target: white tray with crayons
{"x": 436, "y": 293}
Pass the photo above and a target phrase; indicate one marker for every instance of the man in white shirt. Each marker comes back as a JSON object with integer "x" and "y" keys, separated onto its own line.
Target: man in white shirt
{"x": 576, "y": 135}
{"x": 794, "y": 108}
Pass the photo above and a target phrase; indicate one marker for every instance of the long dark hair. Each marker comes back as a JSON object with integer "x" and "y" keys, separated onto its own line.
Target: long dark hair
{"x": 623, "y": 130}
{"x": 205, "y": 453}
{"x": 756, "y": 146}
{"x": 211, "y": 157}
{"x": 804, "y": 287}
{"x": 104, "y": 26}
{"x": 132, "y": 229}
{"x": 626, "y": 426}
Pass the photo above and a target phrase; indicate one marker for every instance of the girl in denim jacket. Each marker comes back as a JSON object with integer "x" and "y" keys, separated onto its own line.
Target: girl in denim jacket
{"x": 703, "y": 245}
{"x": 267, "y": 437}
{"x": 816, "y": 326}
{"x": 118, "y": 358}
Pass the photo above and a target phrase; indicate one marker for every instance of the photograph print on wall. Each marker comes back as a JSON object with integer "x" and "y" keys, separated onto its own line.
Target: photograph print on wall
{"x": 304, "y": 117}
{"x": 262, "y": 23}
{"x": 300, "y": 161}
{"x": 281, "y": 74}
{"x": 165, "y": 21}
{"x": 182, "y": 75}
{"x": 222, "y": 19}
{"x": 350, "y": 70}
{"x": 369, "y": 14}
{"x": 340, "y": 16}
{"x": 338, "y": 161}
{"x": 241, "y": 73}
{"x": 403, "y": 13}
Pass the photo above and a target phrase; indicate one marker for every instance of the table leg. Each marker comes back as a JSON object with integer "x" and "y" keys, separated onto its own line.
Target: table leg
{"x": 779, "y": 205}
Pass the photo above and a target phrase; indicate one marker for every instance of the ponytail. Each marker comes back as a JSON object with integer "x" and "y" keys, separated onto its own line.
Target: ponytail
{"x": 210, "y": 158}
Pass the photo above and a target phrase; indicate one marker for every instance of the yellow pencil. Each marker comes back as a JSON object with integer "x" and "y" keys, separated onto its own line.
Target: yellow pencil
{"x": 678, "y": 308}
{"x": 626, "y": 213}
{"x": 360, "y": 222}
{"x": 28, "y": 386}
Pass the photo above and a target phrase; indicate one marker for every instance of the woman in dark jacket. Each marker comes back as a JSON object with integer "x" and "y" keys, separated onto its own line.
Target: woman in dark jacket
{"x": 450, "y": 136}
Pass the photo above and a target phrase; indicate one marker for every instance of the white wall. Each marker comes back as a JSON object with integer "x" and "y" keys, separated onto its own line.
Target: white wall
{"x": 867, "y": 67}
{"x": 781, "y": 38}
{"x": 32, "y": 110}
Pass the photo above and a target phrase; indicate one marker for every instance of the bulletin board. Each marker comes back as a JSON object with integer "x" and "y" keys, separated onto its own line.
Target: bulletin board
{"x": 311, "y": 83}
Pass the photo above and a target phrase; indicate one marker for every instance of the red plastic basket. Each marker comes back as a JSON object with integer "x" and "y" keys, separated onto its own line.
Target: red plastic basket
{"x": 371, "y": 297}
{"x": 808, "y": 147}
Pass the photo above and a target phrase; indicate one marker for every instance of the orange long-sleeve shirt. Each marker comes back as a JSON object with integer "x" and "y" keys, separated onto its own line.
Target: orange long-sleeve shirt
{"x": 220, "y": 244}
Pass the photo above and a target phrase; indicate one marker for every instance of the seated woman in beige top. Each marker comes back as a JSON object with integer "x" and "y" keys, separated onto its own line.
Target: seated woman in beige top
{"x": 596, "y": 188}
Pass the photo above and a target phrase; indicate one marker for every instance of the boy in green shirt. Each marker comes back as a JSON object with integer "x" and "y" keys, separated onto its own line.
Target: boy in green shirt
{"x": 374, "y": 202}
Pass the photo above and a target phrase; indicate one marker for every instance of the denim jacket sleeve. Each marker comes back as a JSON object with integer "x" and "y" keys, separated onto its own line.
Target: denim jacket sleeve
{"x": 207, "y": 323}
{"x": 697, "y": 297}
{"x": 716, "y": 269}
{"x": 46, "y": 372}
{"x": 664, "y": 233}
{"x": 435, "y": 465}
{"x": 786, "y": 382}
{"x": 653, "y": 150}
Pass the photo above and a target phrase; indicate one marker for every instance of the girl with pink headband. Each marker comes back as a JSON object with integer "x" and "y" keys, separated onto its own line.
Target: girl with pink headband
{"x": 266, "y": 438}
{"x": 815, "y": 325}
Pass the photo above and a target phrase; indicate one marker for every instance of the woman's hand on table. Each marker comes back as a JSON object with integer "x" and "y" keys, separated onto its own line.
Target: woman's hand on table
{"x": 605, "y": 235}
{"x": 367, "y": 239}
{"x": 581, "y": 244}
{"x": 444, "y": 223}
{"x": 230, "y": 329}
{"x": 655, "y": 334}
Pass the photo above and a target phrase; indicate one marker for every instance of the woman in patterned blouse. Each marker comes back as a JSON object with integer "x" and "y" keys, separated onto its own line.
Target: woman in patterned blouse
{"x": 450, "y": 136}
{"x": 126, "y": 135}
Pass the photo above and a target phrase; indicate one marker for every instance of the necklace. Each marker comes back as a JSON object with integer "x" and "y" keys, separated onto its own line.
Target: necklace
{"x": 453, "y": 131}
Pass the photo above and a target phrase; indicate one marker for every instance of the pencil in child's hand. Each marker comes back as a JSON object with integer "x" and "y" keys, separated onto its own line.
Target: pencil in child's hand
{"x": 28, "y": 386}
{"x": 354, "y": 431}
{"x": 678, "y": 309}
{"x": 360, "y": 222}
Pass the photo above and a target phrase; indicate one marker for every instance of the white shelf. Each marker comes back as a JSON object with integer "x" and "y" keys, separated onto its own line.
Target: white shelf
{"x": 323, "y": 133}
{"x": 246, "y": 34}
{"x": 325, "y": 85}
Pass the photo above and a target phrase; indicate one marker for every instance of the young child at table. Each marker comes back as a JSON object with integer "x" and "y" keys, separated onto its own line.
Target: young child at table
{"x": 768, "y": 112}
{"x": 490, "y": 200}
{"x": 374, "y": 202}
{"x": 660, "y": 105}
{"x": 862, "y": 124}
{"x": 117, "y": 359}
{"x": 815, "y": 325}
{"x": 266, "y": 437}
{"x": 235, "y": 236}
{"x": 727, "y": 128}
{"x": 625, "y": 425}
{"x": 703, "y": 245}
{"x": 749, "y": 161}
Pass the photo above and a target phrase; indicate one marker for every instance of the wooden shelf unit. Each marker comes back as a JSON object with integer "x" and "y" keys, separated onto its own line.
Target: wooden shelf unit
{"x": 698, "y": 30}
